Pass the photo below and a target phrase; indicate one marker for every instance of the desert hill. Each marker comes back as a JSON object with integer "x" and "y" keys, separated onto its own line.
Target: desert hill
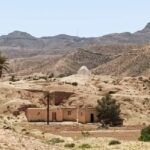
{"x": 122, "y": 60}
{"x": 73, "y": 61}
{"x": 119, "y": 53}
{"x": 133, "y": 63}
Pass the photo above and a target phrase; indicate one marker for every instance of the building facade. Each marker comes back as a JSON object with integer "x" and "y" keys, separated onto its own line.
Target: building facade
{"x": 59, "y": 114}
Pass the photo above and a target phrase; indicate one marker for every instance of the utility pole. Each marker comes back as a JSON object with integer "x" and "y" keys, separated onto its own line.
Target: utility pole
{"x": 77, "y": 113}
{"x": 48, "y": 109}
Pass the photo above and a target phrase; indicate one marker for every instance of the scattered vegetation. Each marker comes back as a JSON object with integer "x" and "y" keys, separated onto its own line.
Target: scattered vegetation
{"x": 114, "y": 142}
{"x": 51, "y": 75}
{"x": 85, "y": 133}
{"x": 145, "y": 134}
{"x": 75, "y": 84}
{"x": 109, "y": 112}
{"x": 69, "y": 145}
{"x": 16, "y": 113}
{"x": 3, "y": 64}
{"x": 13, "y": 79}
{"x": 56, "y": 140}
{"x": 140, "y": 78}
{"x": 84, "y": 146}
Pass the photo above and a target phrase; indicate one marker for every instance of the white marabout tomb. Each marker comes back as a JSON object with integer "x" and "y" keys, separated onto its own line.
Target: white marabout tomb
{"x": 84, "y": 71}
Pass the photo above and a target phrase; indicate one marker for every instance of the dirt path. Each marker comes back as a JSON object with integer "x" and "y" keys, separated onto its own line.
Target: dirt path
{"x": 128, "y": 133}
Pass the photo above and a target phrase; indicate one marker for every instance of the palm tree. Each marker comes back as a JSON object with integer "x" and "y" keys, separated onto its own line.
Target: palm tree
{"x": 3, "y": 64}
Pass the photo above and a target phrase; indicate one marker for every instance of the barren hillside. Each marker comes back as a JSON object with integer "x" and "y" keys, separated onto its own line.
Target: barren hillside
{"x": 133, "y": 63}
{"x": 72, "y": 62}
{"x": 119, "y": 53}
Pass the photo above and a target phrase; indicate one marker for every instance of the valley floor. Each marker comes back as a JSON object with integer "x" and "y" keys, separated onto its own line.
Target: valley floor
{"x": 36, "y": 136}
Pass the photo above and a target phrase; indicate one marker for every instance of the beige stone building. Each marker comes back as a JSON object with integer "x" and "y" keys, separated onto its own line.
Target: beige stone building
{"x": 61, "y": 113}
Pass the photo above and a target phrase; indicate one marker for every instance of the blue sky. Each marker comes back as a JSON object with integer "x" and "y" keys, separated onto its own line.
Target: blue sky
{"x": 84, "y": 18}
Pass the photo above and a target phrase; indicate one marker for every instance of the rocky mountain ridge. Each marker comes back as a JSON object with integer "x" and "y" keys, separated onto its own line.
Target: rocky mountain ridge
{"x": 64, "y": 54}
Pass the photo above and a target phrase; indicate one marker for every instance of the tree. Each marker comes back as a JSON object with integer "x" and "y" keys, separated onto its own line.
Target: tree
{"x": 108, "y": 111}
{"x": 145, "y": 134}
{"x": 3, "y": 64}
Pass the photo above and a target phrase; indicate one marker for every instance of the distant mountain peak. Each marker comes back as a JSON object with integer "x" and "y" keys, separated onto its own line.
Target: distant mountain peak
{"x": 19, "y": 34}
{"x": 147, "y": 26}
{"x": 65, "y": 36}
{"x": 145, "y": 30}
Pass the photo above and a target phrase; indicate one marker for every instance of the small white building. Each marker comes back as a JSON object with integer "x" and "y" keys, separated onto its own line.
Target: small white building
{"x": 84, "y": 71}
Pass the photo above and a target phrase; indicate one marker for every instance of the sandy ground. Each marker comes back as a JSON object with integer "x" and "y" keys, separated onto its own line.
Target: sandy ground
{"x": 10, "y": 140}
{"x": 97, "y": 138}
{"x": 74, "y": 130}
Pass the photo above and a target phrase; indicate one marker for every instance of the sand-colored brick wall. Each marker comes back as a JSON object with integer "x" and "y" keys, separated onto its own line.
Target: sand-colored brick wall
{"x": 83, "y": 115}
{"x": 88, "y": 112}
{"x": 40, "y": 114}
{"x": 69, "y": 114}
{"x": 59, "y": 114}
{"x": 36, "y": 114}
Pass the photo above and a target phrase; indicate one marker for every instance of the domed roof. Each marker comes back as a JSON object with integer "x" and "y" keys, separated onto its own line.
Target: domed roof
{"x": 84, "y": 71}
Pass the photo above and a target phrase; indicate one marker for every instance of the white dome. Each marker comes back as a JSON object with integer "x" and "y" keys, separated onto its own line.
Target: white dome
{"x": 84, "y": 71}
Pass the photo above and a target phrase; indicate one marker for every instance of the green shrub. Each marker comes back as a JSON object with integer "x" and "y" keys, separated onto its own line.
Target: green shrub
{"x": 83, "y": 146}
{"x": 74, "y": 83}
{"x": 55, "y": 141}
{"x": 69, "y": 145}
{"x": 13, "y": 79}
{"x": 145, "y": 134}
{"x": 108, "y": 111}
{"x": 114, "y": 142}
{"x": 51, "y": 75}
{"x": 85, "y": 133}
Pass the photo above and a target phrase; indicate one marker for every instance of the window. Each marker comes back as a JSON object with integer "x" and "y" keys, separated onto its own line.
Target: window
{"x": 69, "y": 113}
{"x": 38, "y": 113}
